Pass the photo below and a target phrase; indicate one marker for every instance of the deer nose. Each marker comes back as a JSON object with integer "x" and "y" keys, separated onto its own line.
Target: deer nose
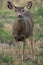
{"x": 19, "y": 15}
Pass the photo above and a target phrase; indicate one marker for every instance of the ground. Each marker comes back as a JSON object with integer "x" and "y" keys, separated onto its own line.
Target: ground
{"x": 8, "y": 54}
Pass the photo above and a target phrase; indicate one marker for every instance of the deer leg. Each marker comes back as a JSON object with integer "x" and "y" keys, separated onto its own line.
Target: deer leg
{"x": 23, "y": 45}
{"x": 32, "y": 50}
{"x": 15, "y": 53}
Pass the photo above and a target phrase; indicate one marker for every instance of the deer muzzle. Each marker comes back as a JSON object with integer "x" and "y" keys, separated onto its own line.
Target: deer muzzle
{"x": 19, "y": 15}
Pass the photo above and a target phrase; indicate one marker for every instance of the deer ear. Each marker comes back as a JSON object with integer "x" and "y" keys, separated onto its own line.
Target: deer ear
{"x": 10, "y": 5}
{"x": 28, "y": 5}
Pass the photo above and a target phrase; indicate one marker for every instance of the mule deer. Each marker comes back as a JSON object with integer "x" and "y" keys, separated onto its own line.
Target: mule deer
{"x": 23, "y": 25}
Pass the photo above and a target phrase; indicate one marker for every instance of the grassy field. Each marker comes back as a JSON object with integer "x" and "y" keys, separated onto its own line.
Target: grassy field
{"x": 7, "y": 52}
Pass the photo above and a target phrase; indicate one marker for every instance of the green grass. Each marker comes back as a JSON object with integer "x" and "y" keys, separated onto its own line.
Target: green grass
{"x": 5, "y": 35}
{"x": 7, "y": 59}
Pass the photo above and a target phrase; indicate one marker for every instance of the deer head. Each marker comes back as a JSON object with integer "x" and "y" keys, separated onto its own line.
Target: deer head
{"x": 19, "y": 10}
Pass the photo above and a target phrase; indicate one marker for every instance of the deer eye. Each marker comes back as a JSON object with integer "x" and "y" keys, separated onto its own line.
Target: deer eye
{"x": 22, "y": 10}
{"x": 15, "y": 10}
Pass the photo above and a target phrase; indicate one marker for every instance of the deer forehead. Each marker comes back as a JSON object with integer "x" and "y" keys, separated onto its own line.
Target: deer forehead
{"x": 19, "y": 8}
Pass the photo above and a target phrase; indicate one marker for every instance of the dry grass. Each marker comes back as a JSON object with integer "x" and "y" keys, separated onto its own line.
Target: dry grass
{"x": 10, "y": 51}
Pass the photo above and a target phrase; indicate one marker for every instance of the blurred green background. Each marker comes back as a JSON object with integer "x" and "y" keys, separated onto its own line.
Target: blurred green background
{"x": 6, "y": 21}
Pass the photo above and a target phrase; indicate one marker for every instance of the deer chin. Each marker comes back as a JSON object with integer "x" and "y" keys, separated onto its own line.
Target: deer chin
{"x": 19, "y": 19}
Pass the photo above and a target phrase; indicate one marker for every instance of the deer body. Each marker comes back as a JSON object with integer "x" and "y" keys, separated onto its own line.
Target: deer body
{"x": 23, "y": 28}
{"x": 23, "y": 24}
